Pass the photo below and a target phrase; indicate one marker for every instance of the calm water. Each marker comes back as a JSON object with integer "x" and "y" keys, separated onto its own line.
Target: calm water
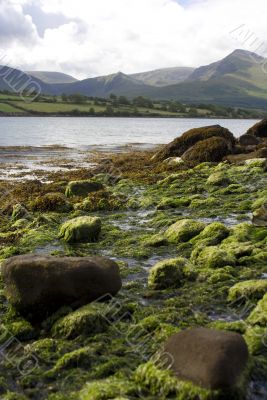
{"x": 108, "y": 132}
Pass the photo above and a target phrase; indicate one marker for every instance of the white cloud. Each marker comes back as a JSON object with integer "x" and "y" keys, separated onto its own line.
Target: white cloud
{"x": 105, "y": 36}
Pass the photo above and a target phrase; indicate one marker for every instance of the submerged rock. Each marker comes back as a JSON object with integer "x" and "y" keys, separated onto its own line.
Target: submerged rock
{"x": 260, "y": 216}
{"x": 210, "y": 358}
{"x": 38, "y": 285}
{"x": 82, "y": 188}
{"x": 167, "y": 274}
{"x": 81, "y": 229}
{"x": 181, "y": 144}
{"x": 184, "y": 230}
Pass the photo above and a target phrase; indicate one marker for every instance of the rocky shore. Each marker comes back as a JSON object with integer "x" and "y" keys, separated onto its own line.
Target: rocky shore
{"x": 143, "y": 277}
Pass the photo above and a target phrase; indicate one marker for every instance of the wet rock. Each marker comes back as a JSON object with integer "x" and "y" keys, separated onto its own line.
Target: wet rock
{"x": 212, "y": 234}
{"x": 19, "y": 212}
{"x": 210, "y": 358}
{"x": 212, "y": 257}
{"x": 51, "y": 202}
{"x": 87, "y": 320}
{"x": 260, "y": 216}
{"x": 38, "y": 285}
{"x": 259, "y": 129}
{"x": 181, "y": 144}
{"x": 210, "y": 150}
{"x": 218, "y": 179}
{"x": 81, "y": 229}
{"x": 167, "y": 274}
{"x": 248, "y": 140}
{"x": 241, "y": 158}
{"x": 184, "y": 230}
{"x": 82, "y": 188}
{"x": 259, "y": 315}
{"x": 248, "y": 290}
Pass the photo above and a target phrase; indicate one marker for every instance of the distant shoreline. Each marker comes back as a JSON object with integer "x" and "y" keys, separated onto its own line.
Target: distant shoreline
{"x": 21, "y": 115}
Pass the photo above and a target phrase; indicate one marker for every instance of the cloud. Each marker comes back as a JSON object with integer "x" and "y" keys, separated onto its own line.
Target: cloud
{"x": 96, "y": 37}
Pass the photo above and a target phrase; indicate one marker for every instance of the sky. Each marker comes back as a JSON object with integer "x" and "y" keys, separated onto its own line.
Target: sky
{"x": 87, "y": 38}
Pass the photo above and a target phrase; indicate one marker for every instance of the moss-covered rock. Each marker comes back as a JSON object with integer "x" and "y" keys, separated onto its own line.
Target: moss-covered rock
{"x": 249, "y": 290}
{"x": 260, "y": 216}
{"x": 218, "y": 179}
{"x": 88, "y": 320}
{"x": 212, "y": 234}
{"x": 167, "y": 274}
{"x": 259, "y": 129}
{"x": 184, "y": 230}
{"x": 256, "y": 339}
{"x": 81, "y": 229}
{"x": 82, "y": 188}
{"x": 212, "y": 257}
{"x": 181, "y": 144}
{"x": 51, "y": 202}
{"x": 259, "y": 315}
{"x": 213, "y": 149}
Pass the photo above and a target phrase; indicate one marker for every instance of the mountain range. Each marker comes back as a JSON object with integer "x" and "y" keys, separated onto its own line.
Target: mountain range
{"x": 238, "y": 80}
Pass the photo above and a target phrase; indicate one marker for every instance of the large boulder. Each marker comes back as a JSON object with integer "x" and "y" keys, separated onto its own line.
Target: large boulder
{"x": 81, "y": 229}
{"x": 260, "y": 216}
{"x": 38, "y": 285}
{"x": 210, "y": 358}
{"x": 82, "y": 188}
{"x": 213, "y": 149}
{"x": 259, "y": 129}
{"x": 181, "y": 144}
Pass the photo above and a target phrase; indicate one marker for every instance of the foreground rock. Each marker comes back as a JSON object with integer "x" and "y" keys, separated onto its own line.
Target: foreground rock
{"x": 167, "y": 274}
{"x": 81, "y": 229}
{"x": 38, "y": 285}
{"x": 181, "y": 144}
{"x": 183, "y": 230}
{"x": 210, "y": 358}
{"x": 260, "y": 216}
{"x": 82, "y": 188}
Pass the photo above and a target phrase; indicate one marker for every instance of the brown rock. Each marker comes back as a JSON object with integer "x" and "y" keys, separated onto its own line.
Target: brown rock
{"x": 260, "y": 216}
{"x": 181, "y": 144}
{"x": 259, "y": 129}
{"x": 210, "y": 358}
{"x": 213, "y": 149}
{"x": 38, "y": 285}
{"x": 248, "y": 140}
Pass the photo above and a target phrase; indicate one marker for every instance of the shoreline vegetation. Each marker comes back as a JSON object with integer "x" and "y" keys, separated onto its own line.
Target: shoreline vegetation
{"x": 12, "y": 105}
{"x": 177, "y": 236}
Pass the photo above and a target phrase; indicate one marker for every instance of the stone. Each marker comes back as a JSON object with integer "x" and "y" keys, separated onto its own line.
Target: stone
{"x": 56, "y": 202}
{"x": 184, "y": 230}
{"x": 188, "y": 139}
{"x": 213, "y": 257}
{"x": 213, "y": 149}
{"x": 259, "y": 217}
{"x": 167, "y": 274}
{"x": 259, "y": 315}
{"x": 39, "y": 285}
{"x": 218, "y": 179}
{"x": 248, "y": 290}
{"x": 259, "y": 129}
{"x": 81, "y": 229}
{"x": 248, "y": 140}
{"x": 82, "y": 188}
{"x": 210, "y": 358}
